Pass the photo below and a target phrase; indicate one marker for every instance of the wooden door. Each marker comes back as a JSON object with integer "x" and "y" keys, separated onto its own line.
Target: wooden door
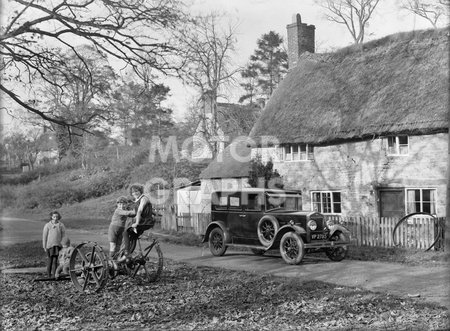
{"x": 392, "y": 203}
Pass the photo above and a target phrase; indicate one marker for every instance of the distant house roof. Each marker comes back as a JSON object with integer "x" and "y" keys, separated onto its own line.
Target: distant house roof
{"x": 394, "y": 85}
{"x": 189, "y": 186}
{"x": 233, "y": 162}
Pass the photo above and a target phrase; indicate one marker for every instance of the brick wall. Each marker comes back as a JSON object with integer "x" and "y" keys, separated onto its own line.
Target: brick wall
{"x": 358, "y": 169}
{"x": 300, "y": 38}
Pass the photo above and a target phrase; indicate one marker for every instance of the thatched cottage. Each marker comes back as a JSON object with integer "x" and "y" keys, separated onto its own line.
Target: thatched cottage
{"x": 363, "y": 131}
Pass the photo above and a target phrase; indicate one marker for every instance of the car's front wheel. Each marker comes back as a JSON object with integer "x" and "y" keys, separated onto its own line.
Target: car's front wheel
{"x": 292, "y": 248}
{"x": 340, "y": 252}
{"x": 217, "y": 242}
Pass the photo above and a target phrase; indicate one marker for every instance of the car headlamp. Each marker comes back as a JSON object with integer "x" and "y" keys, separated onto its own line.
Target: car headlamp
{"x": 312, "y": 225}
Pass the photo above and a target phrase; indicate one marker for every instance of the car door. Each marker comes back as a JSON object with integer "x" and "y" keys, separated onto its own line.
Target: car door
{"x": 234, "y": 217}
{"x": 252, "y": 212}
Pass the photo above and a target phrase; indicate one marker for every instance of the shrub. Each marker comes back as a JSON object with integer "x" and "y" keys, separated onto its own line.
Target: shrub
{"x": 42, "y": 171}
{"x": 103, "y": 183}
{"x": 7, "y": 196}
{"x": 168, "y": 171}
{"x": 55, "y": 193}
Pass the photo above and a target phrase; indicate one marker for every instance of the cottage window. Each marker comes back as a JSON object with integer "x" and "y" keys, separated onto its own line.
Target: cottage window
{"x": 326, "y": 202}
{"x": 295, "y": 152}
{"x": 288, "y": 153}
{"x": 421, "y": 200}
{"x": 397, "y": 145}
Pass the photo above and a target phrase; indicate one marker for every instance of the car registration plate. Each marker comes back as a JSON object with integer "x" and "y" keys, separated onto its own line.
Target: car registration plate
{"x": 318, "y": 236}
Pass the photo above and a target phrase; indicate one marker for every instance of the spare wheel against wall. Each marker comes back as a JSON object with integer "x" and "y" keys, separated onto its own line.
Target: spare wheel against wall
{"x": 267, "y": 228}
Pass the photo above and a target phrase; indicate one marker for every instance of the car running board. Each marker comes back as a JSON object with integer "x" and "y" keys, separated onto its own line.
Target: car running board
{"x": 247, "y": 246}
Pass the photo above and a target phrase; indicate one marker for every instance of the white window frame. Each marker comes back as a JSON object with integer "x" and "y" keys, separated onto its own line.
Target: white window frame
{"x": 332, "y": 203}
{"x": 295, "y": 152}
{"x": 398, "y": 149}
{"x": 421, "y": 201}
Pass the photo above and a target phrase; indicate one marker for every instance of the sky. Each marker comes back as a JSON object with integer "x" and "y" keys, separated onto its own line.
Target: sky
{"x": 257, "y": 17}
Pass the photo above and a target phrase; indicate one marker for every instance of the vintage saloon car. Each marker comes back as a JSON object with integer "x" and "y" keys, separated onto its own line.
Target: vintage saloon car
{"x": 265, "y": 219}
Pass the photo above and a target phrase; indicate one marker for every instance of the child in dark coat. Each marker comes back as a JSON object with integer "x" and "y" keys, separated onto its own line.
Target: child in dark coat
{"x": 117, "y": 226}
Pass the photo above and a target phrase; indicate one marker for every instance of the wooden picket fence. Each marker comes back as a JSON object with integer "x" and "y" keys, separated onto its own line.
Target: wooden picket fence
{"x": 189, "y": 223}
{"x": 418, "y": 232}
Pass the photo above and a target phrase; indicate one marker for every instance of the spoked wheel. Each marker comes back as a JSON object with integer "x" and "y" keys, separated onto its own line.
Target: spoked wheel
{"x": 88, "y": 267}
{"x": 292, "y": 248}
{"x": 337, "y": 253}
{"x": 217, "y": 242}
{"x": 147, "y": 266}
{"x": 267, "y": 228}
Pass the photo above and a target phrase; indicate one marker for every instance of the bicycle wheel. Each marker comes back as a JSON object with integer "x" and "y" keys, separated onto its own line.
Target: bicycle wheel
{"x": 147, "y": 266}
{"x": 416, "y": 230}
{"x": 88, "y": 267}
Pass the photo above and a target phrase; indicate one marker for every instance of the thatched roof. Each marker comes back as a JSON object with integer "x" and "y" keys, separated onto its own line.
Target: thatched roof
{"x": 398, "y": 84}
{"x": 233, "y": 162}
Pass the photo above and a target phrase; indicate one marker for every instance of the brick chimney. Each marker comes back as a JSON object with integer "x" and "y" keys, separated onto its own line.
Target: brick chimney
{"x": 301, "y": 38}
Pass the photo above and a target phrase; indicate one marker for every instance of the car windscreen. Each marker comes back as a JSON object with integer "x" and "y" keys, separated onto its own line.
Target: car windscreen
{"x": 283, "y": 201}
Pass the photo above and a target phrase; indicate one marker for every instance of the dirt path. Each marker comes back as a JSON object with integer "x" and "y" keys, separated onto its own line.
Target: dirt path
{"x": 430, "y": 284}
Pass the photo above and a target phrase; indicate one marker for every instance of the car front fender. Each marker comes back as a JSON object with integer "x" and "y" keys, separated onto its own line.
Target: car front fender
{"x": 337, "y": 227}
{"x": 213, "y": 225}
{"x": 284, "y": 229}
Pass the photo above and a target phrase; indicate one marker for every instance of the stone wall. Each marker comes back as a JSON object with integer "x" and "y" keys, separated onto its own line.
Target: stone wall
{"x": 359, "y": 169}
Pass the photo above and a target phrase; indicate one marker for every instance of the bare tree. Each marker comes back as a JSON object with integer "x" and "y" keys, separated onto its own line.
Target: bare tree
{"x": 207, "y": 63}
{"x": 131, "y": 31}
{"x": 23, "y": 148}
{"x": 81, "y": 94}
{"x": 431, "y": 10}
{"x": 354, "y": 14}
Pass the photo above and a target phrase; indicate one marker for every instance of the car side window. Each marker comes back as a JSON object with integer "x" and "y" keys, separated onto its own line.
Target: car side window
{"x": 254, "y": 202}
{"x": 235, "y": 202}
{"x": 274, "y": 201}
{"x": 223, "y": 201}
{"x": 219, "y": 201}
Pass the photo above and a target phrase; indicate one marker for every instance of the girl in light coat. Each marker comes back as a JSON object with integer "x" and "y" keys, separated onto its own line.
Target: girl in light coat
{"x": 52, "y": 234}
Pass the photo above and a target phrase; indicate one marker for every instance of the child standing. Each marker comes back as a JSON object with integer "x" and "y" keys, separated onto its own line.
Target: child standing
{"x": 53, "y": 232}
{"x": 117, "y": 225}
{"x": 64, "y": 258}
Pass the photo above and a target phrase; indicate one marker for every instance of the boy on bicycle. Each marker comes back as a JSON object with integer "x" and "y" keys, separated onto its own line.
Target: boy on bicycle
{"x": 117, "y": 226}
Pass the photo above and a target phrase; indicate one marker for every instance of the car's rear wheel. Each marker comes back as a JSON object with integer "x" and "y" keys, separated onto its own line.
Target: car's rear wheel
{"x": 217, "y": 242}
{"x": 267, "y": 228}
{"x": 292, "y": 248}
{"x": 340, "y": 252}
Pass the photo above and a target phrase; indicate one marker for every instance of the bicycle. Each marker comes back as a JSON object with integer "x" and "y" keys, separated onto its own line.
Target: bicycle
{"x": 89, "y": 267}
